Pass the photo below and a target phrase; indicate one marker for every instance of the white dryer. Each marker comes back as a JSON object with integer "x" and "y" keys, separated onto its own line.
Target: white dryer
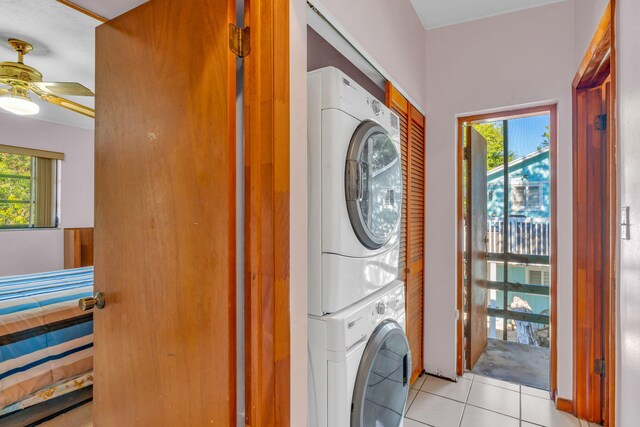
{"x": 360, "y": 363}
{"x": 355, "y": 192}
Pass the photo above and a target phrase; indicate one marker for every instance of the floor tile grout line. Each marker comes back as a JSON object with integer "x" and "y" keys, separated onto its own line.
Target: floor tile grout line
{"x": 411, "y": 403}
{"x": 464, "y": 409}
{"x": 495, "y": 412}
{"x": 520, "y": 406}
{"x": 443, "y": 397}
{"x": 418, "y": 421}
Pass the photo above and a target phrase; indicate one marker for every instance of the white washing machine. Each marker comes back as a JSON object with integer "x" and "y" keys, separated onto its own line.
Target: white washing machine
{"x": 355, "y": 192}
{"x": 360, "y": 363}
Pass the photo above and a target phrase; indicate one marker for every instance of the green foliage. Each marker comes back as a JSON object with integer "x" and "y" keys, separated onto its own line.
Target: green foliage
{"x": 492, "y": 132}
{"x": 546, "y": 137}
{"x": 15, "y": 185}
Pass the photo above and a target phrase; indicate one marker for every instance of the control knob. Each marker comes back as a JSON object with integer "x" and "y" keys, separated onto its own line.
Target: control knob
{"x": 381, "y": 308}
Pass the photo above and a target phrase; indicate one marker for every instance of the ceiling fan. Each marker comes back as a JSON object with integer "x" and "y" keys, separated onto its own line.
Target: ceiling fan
{"x": 21, "y": 78}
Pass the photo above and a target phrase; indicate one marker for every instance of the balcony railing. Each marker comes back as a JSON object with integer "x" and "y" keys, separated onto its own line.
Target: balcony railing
{"x": 527, "y": 242}
{"x": 523, "y": 237}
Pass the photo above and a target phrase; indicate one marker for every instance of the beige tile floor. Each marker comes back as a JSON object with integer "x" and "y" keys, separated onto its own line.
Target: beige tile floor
{"x": 476, "y": 401}
{"x": 473, "y": 401}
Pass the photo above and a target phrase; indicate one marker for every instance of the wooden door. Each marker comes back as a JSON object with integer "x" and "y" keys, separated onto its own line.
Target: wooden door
{"x": 476, "y": 245}
{"x": 165, "y": 216}
{"x": 590, "y": 245}
{"x": 411, "y": 265}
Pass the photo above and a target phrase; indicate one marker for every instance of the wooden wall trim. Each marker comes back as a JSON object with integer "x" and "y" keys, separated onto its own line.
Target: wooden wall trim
{"x": 460, "y": 249}
{"x": 552, "y": 109}
{"x": 564, "y": 405}
{"x": 83, "y": 10}
{"x": 553, "y": 151}
{"x": 267, "y": 133}
{"x": 599, "y": 51}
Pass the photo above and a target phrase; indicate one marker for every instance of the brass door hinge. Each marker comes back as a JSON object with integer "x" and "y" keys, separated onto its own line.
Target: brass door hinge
{"x": 467, "y": 152}
{"x": 239, "y": 40}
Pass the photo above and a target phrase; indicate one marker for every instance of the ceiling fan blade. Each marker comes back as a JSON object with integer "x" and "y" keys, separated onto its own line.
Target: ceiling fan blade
{"x": 63, "y": 88}
{"x": 69, "y": 105}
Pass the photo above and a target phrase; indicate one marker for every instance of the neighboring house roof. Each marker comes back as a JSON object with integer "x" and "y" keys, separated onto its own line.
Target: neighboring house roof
{"x": 519, "y": 160}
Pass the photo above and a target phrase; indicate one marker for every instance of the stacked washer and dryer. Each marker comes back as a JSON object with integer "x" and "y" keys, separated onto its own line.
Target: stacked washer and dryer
{"x": 359, "y": 358}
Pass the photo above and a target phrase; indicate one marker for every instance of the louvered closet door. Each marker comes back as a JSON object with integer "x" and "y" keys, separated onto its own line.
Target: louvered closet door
{"x": 412, "y": 138}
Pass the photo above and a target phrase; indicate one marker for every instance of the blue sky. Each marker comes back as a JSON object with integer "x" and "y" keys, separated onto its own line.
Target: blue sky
{"x": 525, "y": 134}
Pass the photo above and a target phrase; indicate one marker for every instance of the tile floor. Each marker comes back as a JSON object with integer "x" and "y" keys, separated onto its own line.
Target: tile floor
{"x": 476, "y": 401}
{"x": 473, "y": 401}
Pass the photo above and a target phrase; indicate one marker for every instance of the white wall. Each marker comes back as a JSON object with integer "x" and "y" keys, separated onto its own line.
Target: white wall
{"x": 495, "y": 63}
{"x": 31, "y": 251}
{"x": 389, "y": 32}
{"x": 628, "y": 378}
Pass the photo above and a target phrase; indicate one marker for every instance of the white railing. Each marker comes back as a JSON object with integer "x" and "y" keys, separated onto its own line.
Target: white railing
{"x": 523, "y": 237}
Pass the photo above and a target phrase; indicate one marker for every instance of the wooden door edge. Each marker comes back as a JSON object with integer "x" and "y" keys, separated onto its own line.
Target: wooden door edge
{"x": 267, "y": 221}
{"x": 606, "y": 28}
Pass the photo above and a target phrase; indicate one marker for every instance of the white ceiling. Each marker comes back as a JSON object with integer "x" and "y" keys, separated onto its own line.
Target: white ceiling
{"x": 440, "y": 13}
{"x": 109, "y": 8}
{"x": 64, "y": 49}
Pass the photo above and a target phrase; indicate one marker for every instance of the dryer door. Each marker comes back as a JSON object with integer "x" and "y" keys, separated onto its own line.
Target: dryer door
{"x": 373, "y": 184}
{"x": 382, "y": 383}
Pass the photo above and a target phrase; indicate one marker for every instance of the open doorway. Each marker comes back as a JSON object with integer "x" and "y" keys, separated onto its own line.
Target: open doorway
{"x": 507, "y": 281}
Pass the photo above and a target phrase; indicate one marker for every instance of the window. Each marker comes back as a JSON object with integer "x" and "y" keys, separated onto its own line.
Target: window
{"x": 539, "y": 277}
{"x": 28, "y": 188}
{"x": 525, "y": 197}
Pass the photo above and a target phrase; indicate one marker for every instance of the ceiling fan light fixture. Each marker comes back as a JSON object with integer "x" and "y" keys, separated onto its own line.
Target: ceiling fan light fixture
{"x": 22, "y": 106}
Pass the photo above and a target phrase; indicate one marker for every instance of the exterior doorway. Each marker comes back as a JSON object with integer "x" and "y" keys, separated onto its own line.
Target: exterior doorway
{"x": 506, "y": 291}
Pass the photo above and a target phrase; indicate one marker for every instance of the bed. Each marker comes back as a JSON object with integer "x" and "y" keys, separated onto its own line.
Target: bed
{"x": 46, "y": 341}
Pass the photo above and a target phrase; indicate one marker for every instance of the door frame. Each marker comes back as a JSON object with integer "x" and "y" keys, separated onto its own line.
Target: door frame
{"x": 598, "y": 65}
{"x": 267, "y": 215}
{"x": 552, "y": 110}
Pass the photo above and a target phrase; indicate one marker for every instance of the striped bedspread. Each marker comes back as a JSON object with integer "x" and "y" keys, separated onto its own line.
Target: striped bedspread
{"x": 44, "y": 337}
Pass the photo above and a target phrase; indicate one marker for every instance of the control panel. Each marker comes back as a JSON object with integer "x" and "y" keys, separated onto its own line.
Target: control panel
{"x": 360, "y": 320}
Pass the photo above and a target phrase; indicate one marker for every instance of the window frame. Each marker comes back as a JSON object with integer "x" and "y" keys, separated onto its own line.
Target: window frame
{"x": 34, "y": 154}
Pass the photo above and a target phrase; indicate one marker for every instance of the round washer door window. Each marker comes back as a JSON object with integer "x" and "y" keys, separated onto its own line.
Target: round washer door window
{"x": 382, "y": 382}
{"x": 373, "y": 184}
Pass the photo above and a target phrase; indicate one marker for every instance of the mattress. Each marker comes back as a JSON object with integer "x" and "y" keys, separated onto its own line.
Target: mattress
{"x": 45, "y": 339}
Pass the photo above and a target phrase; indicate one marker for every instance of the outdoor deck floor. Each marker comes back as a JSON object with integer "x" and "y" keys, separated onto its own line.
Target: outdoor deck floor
{"x": 515, "y": 363}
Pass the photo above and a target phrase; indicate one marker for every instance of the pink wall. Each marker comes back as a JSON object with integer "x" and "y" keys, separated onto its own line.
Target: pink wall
{"x": 391, "y": 33}
{"x": 505, "y": 61}
{"x": 628, "y": 378}
{"x": 30, "y": 251}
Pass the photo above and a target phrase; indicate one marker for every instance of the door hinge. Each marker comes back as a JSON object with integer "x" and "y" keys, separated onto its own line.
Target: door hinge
{"x": 600, "y": 367}
{"x": 239, "y": 40}
{"x": 601, "y": 122}
{"x": 467, "y": 152}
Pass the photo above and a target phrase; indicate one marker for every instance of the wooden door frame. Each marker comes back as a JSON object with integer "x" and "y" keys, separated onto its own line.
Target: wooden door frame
{"x": 267, "y": 222}
{"x": 598, "y": 64}
{"x": 552, "y": 109}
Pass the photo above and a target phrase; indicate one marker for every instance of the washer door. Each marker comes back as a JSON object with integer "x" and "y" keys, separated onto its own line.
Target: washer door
{"x": 373, "y": 185}
{"x": 382, "y": 384}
